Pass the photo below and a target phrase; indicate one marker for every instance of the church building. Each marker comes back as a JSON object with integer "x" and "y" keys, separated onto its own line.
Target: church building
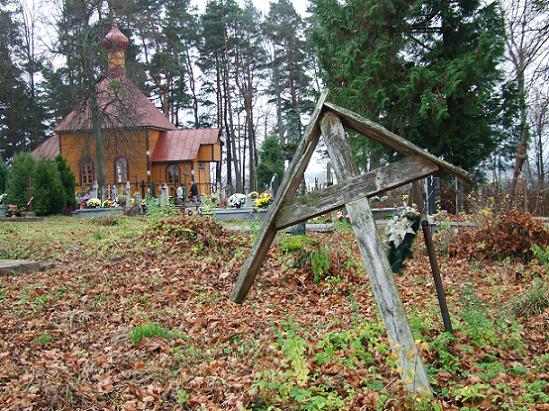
{"x": 139, "y": 144}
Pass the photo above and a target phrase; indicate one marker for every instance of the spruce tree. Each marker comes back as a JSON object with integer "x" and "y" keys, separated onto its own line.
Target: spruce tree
{"x": 49, "y": 196}
{"x": 19, "y": 179}
{"x": 67, "y": 180}
{"x": 425, "y": 69}
{"x": 271, "y": 161}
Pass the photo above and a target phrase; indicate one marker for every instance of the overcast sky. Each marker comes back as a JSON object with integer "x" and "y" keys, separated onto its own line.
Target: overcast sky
{"x": 263, "y": 5}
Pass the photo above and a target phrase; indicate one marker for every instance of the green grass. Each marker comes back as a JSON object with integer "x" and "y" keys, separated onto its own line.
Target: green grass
{"x": 44, "y": 339}
{"x": 148, "y": 330}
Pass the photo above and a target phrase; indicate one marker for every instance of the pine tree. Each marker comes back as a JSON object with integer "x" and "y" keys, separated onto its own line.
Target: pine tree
{"x": 290, "y": 61}
{"x": 271, "y": 161}
{"x": 19, "y": 179}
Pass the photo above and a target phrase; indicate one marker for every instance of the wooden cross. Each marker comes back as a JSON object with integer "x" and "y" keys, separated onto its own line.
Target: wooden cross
{"x": 352, "y": 191}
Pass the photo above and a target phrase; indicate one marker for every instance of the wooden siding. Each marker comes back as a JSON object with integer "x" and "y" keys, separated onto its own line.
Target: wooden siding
{"x": 209, "y": 152}
{"x": 201, "y": 175}
{"x": 76, "y": 147}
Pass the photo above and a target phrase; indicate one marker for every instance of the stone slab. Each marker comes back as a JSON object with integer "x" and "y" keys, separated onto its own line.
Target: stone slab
{"x": 18, "y": 267}
{"x": 240, "y": 214}
{"x": 20, "y": 219}
{"x": 98, "y": 212}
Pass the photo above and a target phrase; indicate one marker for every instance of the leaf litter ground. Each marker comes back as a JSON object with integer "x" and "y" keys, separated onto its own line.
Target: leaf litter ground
{"x": 135, "y": 315}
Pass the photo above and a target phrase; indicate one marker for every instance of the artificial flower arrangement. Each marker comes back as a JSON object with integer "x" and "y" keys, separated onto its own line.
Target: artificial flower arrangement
{"x": 93, "y": 203}
{"x": 109, "y": 203}
{"x": 254, "y": 195}
{"x": 236, "y": 200}
{"x": 400, "y": 233}
{"x": 263, "y": 200}
{"x": 82, "y": 200}
{"x": 344, "y": 218}
{"x": 2, "y": 196}
{"x": 14, "y": 211}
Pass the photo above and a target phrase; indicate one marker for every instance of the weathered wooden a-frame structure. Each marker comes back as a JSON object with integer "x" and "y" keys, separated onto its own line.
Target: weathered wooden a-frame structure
{"x": 352, "y": 191}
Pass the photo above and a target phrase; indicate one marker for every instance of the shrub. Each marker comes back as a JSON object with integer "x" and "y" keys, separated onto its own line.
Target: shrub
{"x": 67, "y": 180}
{"x": 534, "y": 300}
{"x": 511, "y": 234}
{"x": 18, "y": 179}
{"x": 47, "y": 189}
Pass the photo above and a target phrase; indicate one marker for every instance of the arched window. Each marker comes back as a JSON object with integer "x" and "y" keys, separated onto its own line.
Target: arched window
{"x": 173, "y": 174}
{"x": 121, "y": 170}
{"x": 87, "y": 175}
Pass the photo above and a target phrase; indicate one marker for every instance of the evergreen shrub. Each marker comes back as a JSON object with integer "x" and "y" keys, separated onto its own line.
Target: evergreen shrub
{"x": 18, "y": 179}
{"x": 67, "y": 179}
{"x": 48, "y": 192}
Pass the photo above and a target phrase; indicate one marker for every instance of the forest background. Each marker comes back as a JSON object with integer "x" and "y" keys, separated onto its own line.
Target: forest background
{"x": 465, "y": 79}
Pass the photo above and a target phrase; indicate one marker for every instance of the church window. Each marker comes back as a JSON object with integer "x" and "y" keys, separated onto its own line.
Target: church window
{"x": 121, "y": 170}
{"x": 86, "y": 172}
{"x": 173, "y": 174}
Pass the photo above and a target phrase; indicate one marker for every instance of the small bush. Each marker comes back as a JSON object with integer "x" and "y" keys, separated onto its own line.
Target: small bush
{"x": 534, "y": 300}
{"x": 320, "y": 264}
{"x": 48, "y": 192}
{"x": 67, "y": 180}
{"x": 511, "y": 234}
{"x": 149, "y": 330}
{"x": 18, "y": 179}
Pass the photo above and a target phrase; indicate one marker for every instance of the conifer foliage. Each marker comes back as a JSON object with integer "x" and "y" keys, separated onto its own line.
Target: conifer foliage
{"x": 271, "y": 161}
{"x": 425, "y": 69}
{"x": 49, "y": 196}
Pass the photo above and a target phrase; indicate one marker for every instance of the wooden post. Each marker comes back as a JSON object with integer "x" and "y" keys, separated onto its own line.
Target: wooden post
{"x": 435, "y": 269}
{"x": 374, "y": 258}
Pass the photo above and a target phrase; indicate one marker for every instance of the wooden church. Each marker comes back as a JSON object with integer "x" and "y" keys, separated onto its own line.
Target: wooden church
{"x": 139, "y": 144}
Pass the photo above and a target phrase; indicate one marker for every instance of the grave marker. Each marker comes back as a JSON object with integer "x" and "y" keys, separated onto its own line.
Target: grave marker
{"x": 352, "y": 191}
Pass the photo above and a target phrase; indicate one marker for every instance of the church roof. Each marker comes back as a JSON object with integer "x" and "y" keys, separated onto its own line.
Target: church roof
{"x": 48, "y": 149}
{"x": 120, "y": 105}
{"x": 183, "y": 145}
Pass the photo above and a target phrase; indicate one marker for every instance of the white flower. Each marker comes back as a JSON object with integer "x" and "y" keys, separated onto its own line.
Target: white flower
{"x": 236, "y": 199}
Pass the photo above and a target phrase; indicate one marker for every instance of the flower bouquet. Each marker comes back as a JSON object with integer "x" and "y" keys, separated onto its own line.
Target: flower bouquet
{"x": 93, "y": 203}
{"x": 236, "y": 200}
{"x": 82, "y": 200}
{"x": 263, "y": 200}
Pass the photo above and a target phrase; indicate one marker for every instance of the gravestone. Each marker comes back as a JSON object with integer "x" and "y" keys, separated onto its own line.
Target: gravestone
{"x": 164, "y": 195}
{"x": 128, "y": 194}
{"x": 94, "y": 192}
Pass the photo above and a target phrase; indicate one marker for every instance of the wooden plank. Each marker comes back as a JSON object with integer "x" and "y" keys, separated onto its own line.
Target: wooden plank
{"x": 368, "y": 185}
{"x": 287, "y": 188}
{"x": 376, "y": 263}
{"x": 380, "y": 134}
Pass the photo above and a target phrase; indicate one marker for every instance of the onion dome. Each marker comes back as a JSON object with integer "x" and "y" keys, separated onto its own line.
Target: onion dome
{"x": 115, "y": 40}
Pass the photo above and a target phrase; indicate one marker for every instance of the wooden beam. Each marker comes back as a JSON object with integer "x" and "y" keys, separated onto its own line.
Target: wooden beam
{"x": 380, "y": 134}
{"x": 368, "y": 185}
{"x": 291, "y": 181}
{"x": 375, "y": 260}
